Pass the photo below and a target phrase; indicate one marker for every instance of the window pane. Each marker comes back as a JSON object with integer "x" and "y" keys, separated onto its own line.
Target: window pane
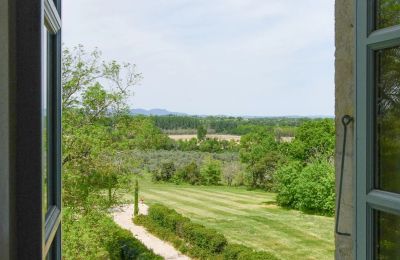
{"x": 45, "y": 123}
{"x": 387, "y": 125}
{"x": 387, "y": 235}
{"x": 387, "y": 13}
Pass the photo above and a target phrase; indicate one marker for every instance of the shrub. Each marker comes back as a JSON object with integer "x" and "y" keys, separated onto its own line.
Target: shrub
{"x": 190, "y": 173}
{"x": 200, "y": 238}
{"x": 286, "y": 181}
{"x": 241, "y": 252}
{"x": 232, "y": 251}
{"x": 256, "y": 255}
{"x": 96, "y": 236}
{"x": 310, "y": 189}
{"x": 203, "y": 237}
{"x": 211, "y": 172}
{"x": 315, "y": 189}
{"x": 194, "y": 239}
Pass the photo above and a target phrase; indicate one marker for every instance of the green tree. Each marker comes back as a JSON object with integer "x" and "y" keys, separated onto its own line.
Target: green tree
{"x": 94, "y": 91}
{"x": 313, "y": 139}
{"x": 190, "y": 173}
{"x": 258, "y": 150}
{"x": 201, "y": 132}
{"x": 211, "y": 172}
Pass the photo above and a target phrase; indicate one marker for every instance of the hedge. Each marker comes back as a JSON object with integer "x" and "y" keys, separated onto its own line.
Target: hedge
{"x": 97, "y": 236}
{"x": 194, "y": 239}
{"x": 241, "y": 252}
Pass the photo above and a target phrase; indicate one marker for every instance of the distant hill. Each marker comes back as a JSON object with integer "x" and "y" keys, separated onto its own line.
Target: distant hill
{"x": 155, "y": 112}
{"x": 164, "y": 112}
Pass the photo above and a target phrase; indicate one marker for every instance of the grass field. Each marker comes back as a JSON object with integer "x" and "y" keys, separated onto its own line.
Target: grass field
{"x": 248, "y": 217}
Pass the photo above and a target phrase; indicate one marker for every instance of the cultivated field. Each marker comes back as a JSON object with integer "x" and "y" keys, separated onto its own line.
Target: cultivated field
{"x": 220, "y": 137}
{"x": 248, "y": 217}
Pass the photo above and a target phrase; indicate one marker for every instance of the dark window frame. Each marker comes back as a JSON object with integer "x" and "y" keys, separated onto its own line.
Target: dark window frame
{"x": 31, "y": 236}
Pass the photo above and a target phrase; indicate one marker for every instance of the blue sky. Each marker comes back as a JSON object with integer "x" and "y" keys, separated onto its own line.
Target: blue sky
{"x": 232, "y": 57}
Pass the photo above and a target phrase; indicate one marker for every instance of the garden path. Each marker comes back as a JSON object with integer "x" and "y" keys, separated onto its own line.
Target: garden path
{"x": 123, "y": 217}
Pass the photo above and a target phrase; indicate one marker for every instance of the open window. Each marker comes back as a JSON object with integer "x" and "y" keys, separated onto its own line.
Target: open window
{"x": 30, "y": 129}
{"x": 378, "y": 126}
{"x": 51, "y": 128}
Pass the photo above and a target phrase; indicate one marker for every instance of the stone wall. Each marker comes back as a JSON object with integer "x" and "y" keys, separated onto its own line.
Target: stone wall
{"x": 345, "y": 104}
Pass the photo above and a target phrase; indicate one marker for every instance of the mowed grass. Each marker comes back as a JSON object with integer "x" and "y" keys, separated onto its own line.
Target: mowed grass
{"x": 247, "y": 217}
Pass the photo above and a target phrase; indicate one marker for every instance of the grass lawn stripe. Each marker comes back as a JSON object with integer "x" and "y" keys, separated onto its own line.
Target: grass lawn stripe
{"x": 250, "y": 218}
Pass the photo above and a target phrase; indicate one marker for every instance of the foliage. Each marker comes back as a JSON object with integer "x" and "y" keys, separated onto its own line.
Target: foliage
{"x": 286, "y": 179}
{"x": 192, "y": 233}
{"x": 237, "y": 252}
{"x": 231, "y": 172}
{"x": 189, "y": 173}
{"x": 93, "y": 90}
{"x": 316, "y": 188}
{"x": 136, "y": 203}
{"x": 201, "y": 132}
{"x": 310, "y": 189}
{"x": 210, "y": 145}
{"x": 201, "y": 242}
{"x": 165, "y": 172}
{"x": 96, "y": 236}
{"x": 176, "y": 124}
{"x": 258, "y": 150}
{"x": 211, "y": 172}
{"x": 314, "y": 139}
{"x": 248, "y": 217}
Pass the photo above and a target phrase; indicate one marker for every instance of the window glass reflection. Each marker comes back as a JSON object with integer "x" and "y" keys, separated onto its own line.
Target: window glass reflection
{"x": 387, "y": 13}
{"x": 387, "y": 125}
{"x": 45, "y": 122}
{"x": 387, "y": 236}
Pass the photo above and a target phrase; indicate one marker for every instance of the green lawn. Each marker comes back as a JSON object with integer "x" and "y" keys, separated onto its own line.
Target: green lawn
{"x": 248, "y": 217}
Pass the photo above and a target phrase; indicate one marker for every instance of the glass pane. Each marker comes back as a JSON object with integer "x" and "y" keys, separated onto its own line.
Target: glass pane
{"x": 387, "y": 13}
{"x": 45, "y": 123}
{"x": 387, "y": 125}
{"x": 387, "y": 236}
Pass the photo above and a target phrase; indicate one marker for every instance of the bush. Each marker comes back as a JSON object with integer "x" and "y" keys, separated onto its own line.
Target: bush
{"x": 315, "y": 189}
{"x": 205, "y": 238}
{"x": 211, "y": 172}
{"x": 202, "y": 240}
{"x": 194, "y": 239}
{"x": 96, "y": 236}
{"x": 241, "y": 252}
{"x": 286, "y": 179}
{"x": 232, "y": 251}
{"x": 310, "y": 189}
{"x": 189, "y": 173}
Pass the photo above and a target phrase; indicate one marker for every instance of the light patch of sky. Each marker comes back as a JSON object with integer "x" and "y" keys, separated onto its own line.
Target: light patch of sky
{"x": 231, "y": 57}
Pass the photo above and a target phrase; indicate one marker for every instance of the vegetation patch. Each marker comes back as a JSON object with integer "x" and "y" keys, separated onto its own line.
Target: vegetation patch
{"x": 96, "y": 236}
{"x": 192, "y": 238}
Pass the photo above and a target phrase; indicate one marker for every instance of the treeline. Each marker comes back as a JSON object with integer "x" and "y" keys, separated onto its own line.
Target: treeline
{"x": 227, "y": 125}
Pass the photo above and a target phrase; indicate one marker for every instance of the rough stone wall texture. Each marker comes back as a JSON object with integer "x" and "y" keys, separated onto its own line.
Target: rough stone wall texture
{"x": 345, "y": 104}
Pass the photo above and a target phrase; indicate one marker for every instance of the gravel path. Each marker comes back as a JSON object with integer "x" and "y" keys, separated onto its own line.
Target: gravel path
{"x": 123, "y": 217}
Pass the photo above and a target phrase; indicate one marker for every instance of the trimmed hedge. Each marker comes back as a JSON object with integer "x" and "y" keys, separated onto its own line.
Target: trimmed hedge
{"x": 195, "y": 234}
{"x": 195, "y": 239}
{"x": 241, "y": 252}
{"x": 96, "y": 236}
{"x": 123, "y": 246}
